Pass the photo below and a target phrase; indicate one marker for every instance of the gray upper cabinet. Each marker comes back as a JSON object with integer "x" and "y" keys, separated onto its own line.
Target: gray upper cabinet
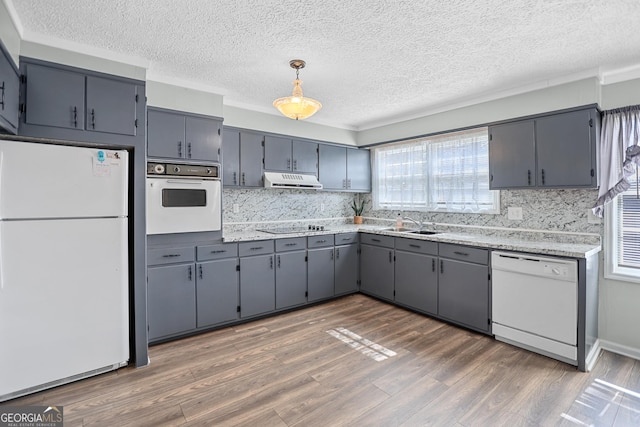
{"x": 9, "y": 93}
{"x": 286, "y": 155}
{"x": 177, "y": 135}
{"x": 66, "y": 98}
{"x": 344, "y": 169}
{"x": 277, "y": 154}
{"x": 556, "y": 150}
{"x": 358, "y": 170}
{"x": 512, "y": 155}
{"x": 54, "y": 97}
{"x": 111, "y": 106}
{"x": 305, "y": 157}
{"x": 242, "y": 157}
{"x": 566, "y": 148}
{"x": 332, "y": 167}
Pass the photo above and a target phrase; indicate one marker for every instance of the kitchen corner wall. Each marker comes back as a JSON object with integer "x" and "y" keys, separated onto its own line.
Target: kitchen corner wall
{"x": 542, "y": 210}
{"x": 266, "y": 205}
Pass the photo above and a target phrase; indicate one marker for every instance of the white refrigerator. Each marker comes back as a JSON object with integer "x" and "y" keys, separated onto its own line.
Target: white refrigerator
{"x": 64, "y": 311}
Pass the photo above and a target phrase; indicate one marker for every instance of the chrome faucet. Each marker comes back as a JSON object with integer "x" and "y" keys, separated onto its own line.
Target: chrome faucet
{"x": 418, "y": 223}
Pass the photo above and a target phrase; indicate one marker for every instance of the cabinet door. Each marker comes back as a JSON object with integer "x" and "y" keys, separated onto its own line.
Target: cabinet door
{"x": 9, "y": 85}
{"x": 251, "y": 160}
{"x": 512, "y": 156}
{"x": 230, "y": 158}
{"x": 320, "y": 274}
{"x": 463, "y": 293}
{"x": 416, "y": 281}
{"x": 171, "y": 300}
{"x": 217, "y": 292}
{"x": 111, "y": 106}
{"x": 257, "y": 285}
{"x": 291, "y": 279}
{"x": 376, "y": 271}
{"x": 54, "y": 97}
{"x": 346, "y": 269}
{"x": 332, "y": 167}
{"x": 565, "y": 145}
{"x": 277, "y": 154}
{"x": 165, "y": 134}
{"x": 203, "y": 138}
{"x": 305, "y": 157}
{"x": 358, "y": 170}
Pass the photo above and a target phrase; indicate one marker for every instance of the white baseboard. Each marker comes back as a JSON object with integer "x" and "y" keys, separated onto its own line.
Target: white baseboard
{"x": 624, "y": 350}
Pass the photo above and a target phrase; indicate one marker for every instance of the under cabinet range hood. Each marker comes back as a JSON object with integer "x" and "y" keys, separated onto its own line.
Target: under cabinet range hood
{"x": 291, "y": 180}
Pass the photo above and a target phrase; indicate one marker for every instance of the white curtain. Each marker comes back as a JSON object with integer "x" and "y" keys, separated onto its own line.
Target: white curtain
{"x": 619, "y": 153}
{"x": 447, "y": 173}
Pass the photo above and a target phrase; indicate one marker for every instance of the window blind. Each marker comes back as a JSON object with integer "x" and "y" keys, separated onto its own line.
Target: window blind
{"x": 628, "y": 219}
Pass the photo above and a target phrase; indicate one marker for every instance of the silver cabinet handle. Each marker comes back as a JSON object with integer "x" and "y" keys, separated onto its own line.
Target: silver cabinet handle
{"x": 190, "y": 274}
{"x": 179, "y": 148}
{"x": 461, "y": 253}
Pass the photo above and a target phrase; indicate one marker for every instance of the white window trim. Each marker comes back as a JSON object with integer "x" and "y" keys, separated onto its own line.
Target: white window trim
{"x": 612, "y": 270}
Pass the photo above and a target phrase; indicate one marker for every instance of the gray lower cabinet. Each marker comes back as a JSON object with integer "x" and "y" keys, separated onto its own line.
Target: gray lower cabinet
{"x": 257, "y": 278}
{"x": 376, "y": 265}
{"x": 242, "y": 157}
{"x": 291, "y": 279}
{"x": 179, "y": 135}
{"x": 346, "y": 268}
{"x": 416, "y": 275}
{"x": 217, "y": 292}
{"x": 9, "y": 93}
{"x": 320, "y": 268}
{"x": 171, "y": 300}
{"x": 463, "y": 286}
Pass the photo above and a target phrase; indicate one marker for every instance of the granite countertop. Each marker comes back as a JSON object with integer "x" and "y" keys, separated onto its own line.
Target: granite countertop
{"x": 511, "y": 242}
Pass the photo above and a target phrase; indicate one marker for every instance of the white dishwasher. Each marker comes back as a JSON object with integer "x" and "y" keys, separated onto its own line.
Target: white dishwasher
{"x": 535, "y": 304}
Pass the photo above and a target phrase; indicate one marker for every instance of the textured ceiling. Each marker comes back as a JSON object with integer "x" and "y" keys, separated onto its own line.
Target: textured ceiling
{"x": 368, "y": 62}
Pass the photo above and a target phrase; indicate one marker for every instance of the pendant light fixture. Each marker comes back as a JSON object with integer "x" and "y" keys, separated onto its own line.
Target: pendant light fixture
{"x": 297, "y": 106}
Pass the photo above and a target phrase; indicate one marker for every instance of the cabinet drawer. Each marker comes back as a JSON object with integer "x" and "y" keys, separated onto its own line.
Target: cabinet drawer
{"x": 346, "y": 238}
{"x": 258, "y": 247}
{"x": 377, "y": 240}
{"x": 291, "y": 244}
{"x": 320, "y": 241}
{"x": 170, "y": 255}
{"x": 464, "y": 253}
{"x": 209, "y": 252}
{"x": 417, "y": 245}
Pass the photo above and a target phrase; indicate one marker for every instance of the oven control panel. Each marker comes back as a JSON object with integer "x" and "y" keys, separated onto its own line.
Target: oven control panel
{"x": 183, "y": 170}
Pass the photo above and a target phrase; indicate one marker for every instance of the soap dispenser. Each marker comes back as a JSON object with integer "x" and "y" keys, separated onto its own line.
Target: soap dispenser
{"x": 399, "y": 222}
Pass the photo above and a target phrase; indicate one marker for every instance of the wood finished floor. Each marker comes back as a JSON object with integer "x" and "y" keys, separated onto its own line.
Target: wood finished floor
{"x": 288, "y": 371}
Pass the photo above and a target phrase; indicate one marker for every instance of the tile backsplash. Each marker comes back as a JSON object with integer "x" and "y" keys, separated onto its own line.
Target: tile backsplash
{"x": 543, "y": 210}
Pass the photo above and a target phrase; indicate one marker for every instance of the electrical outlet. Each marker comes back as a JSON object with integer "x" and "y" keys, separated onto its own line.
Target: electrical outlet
{"x": 514, "y": 214}
{"x": 321, "y": 207}
{"x": 236, "y": 208}
{"x": 592, "y": 219}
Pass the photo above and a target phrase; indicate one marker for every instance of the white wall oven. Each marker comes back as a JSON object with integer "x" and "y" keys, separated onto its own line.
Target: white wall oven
{"x": 183, "y": 198}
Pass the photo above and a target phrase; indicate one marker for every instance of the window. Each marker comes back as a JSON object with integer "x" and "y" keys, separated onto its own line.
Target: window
{"x": 442, "y": 173}
{"x": 622, "y": 237}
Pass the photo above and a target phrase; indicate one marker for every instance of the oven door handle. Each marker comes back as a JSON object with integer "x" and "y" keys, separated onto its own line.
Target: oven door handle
{"x": 185, "y": 181}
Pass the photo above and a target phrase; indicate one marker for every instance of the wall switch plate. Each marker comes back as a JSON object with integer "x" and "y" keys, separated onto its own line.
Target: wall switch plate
{"x": 592, "y": 219}
{"x": 514, "y": 214}
{"x": 236, "y": 208}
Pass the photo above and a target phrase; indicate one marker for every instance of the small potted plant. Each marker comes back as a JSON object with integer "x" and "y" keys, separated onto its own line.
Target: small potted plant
{"x": 357, "y": 211}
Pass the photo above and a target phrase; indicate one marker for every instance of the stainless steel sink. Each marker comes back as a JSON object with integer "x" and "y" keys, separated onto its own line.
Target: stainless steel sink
{"x": 423, "y": 232}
